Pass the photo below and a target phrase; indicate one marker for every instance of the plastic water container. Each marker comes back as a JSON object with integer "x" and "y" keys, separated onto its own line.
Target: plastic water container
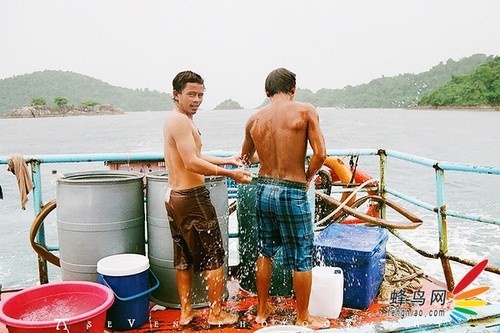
{"x": 128, "y": 276}
{"x": 327, "y": 292}
{"x": 70, "y": 306}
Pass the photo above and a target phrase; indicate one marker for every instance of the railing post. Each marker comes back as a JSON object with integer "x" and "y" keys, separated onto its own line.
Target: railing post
{"x": 36, "y": 175}
{"x": 443, "y": 229}
{"x": 383, "y": 165}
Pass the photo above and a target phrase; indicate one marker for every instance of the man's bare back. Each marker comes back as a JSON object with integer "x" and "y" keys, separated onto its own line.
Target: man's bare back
{"x": 280, "y": 132}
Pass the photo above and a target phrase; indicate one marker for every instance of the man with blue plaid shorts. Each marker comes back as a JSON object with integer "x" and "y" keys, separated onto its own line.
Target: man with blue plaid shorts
{"x": 277, "y": 137}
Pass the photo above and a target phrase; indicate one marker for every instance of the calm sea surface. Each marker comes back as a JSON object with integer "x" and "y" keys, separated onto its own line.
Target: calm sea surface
{"x": 469, "y": 137}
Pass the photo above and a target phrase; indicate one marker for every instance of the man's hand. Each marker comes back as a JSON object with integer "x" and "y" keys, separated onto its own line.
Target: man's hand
{"x": 312, "y": 180}
{"x": 241, "y": 176}
{"x": 234, "y": 160}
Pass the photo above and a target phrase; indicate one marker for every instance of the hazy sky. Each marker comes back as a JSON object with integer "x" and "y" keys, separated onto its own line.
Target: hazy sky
{"x": 235, "y": 44}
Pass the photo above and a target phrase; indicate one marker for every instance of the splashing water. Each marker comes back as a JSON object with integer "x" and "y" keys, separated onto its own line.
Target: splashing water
{"x": 55, "y": 309}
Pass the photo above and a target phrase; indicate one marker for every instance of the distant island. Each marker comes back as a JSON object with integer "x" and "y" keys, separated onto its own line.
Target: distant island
{"x": 479, "y": 90}
{"x": 229, "y": 104}
{"x": 38, "y": 111}
{"x": 49, "y": 85}
{"x": 470, "y": 83}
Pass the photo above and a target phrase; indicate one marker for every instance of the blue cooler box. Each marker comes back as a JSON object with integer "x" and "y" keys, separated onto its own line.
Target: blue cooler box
{"x": 360, "y": 252}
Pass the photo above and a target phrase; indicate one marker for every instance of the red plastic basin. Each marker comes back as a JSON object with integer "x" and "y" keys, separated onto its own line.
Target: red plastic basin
{"x": 70, "y": 306}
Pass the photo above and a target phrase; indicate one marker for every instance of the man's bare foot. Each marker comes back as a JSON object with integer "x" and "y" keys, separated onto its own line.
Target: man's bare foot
{"x": 186, "y": 318}
{"x": 224, "y": 318}
{"x": 314, "y": 322}
{"x": 262, "y": 317}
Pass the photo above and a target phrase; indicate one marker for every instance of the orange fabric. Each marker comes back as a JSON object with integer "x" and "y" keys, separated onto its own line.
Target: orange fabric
{"x": 18, "y": 167}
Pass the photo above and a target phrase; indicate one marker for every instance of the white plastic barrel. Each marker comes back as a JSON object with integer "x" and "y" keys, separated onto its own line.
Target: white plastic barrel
{"x": 327, "y": 292}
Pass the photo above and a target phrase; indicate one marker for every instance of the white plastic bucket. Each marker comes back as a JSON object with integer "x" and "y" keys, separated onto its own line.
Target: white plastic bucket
{"x": 327, "y": 292}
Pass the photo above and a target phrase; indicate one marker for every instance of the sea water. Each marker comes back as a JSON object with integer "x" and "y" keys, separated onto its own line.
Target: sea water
{"x": 469, "y": 137}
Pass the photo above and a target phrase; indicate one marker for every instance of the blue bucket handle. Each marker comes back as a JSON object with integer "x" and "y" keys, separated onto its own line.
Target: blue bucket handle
{"x": 129, "y": 298}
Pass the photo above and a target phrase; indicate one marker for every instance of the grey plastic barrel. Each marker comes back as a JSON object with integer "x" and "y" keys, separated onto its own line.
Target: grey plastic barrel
{"x": 99, "y": 213}
{"x": 160, "y": 247}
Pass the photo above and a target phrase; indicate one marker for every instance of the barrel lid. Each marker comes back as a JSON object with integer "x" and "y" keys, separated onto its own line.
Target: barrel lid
{"x": 123, "y": 264}
{"x": 162, "y": 176}
{"x": 100, "y": 177}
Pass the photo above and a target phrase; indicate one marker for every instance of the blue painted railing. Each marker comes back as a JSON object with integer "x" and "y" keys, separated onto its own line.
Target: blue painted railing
{"x": 439, "y": 208}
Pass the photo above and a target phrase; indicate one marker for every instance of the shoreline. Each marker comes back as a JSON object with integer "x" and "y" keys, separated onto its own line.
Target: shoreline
{"x": 456, "y": 108}
{"x": 106, "y": 109}
{"x": 43, "y": 111}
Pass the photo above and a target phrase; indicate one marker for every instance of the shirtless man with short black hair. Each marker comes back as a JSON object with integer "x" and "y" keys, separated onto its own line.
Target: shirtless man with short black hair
{"x": 192, "y": 218}
{"x": 279, "y": 133}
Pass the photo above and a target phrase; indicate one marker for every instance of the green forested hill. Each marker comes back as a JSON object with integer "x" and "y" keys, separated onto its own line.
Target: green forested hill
{"x": 480, "y": 88}
{"x": 404, "y": 90}
{"x": 19, "y": 91}
{"x": 400, "y": 91}
{"x": 228, "y": 104}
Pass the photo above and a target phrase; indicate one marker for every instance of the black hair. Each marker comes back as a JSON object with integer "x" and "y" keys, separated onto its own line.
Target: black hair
{"x": 280, "y": 80}
{"x": 180, "y": 80}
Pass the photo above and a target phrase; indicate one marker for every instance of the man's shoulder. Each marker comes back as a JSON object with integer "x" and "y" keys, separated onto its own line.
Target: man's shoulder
{"x": 175, "y": 122}
{"x": 177, "y": 118}
{"x": 258, "y": 113}
{"x": 305, "y": 106}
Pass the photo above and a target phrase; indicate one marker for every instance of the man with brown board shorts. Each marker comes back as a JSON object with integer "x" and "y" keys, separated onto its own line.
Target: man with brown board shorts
{"x": 193, "y": 222}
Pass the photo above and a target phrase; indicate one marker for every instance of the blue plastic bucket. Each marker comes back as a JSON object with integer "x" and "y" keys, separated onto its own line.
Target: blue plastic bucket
{"x": 128, "y": 276}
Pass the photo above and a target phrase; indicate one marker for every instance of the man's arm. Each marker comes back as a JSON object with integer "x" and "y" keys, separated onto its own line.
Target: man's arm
{"x": 234, "y": 160}
{"x": 317, "y": 142}
{"x": 248, "y": 153}
{"x": 192, "y": 159}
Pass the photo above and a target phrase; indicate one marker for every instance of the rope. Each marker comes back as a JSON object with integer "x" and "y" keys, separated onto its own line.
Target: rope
{"x": 354, "y": 166}
{"x": 399, "y": 274}
{"x": 356, "y": 190}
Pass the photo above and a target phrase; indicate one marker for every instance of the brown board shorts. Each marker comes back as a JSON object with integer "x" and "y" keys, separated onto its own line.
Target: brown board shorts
{"x": 195, "y": 230}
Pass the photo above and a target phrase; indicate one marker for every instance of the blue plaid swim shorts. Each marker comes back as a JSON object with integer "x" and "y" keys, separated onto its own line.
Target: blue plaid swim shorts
{"x": 284, "y": 221}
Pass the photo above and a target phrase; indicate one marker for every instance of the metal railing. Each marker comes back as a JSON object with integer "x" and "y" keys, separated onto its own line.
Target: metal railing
{"x": 439, "y": 207}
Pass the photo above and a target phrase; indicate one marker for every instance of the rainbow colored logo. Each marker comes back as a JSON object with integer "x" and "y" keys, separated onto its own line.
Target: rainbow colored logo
{"x": 463, "y": 304}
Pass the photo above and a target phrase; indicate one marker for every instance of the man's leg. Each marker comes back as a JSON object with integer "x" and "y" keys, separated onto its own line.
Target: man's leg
{"x": 263, "y": 278}
{"x": 302, "y": 287}
{"x": 215, "y": 283}
{"x": 184, "y": 282}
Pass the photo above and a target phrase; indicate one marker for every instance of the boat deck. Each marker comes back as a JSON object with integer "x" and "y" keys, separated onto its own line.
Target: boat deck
{"x": 381, "y": 316}
{"x": 244, "y": 304}
{"x": 165, "y": 320}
